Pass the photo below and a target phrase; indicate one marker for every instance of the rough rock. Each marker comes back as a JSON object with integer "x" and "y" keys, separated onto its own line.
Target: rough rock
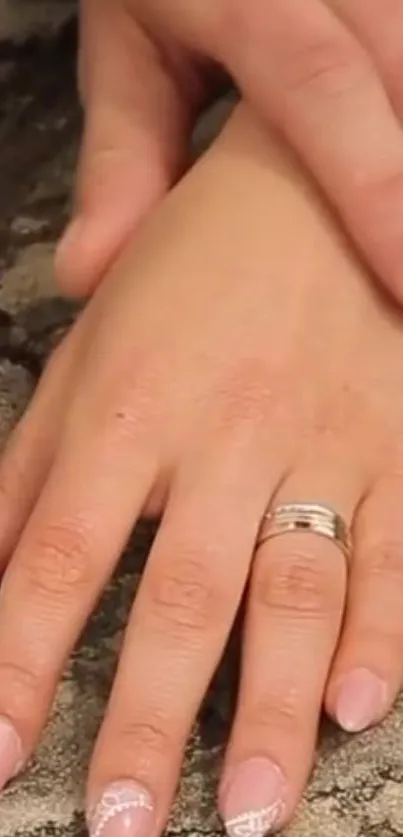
{"x": 20, "y": 19}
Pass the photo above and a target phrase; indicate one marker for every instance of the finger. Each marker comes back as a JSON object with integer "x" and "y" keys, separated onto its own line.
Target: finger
{"x": 181, "y": 620}
{"x": 68, "y": 550}
{"x": 380, "y": 27}
{"x": 137, "y": 120}
{"x": 295, "y": 608}
{"x": 303, "y": 69}
{"x": 30, "y": 450}
{"x": 368, "y": 668}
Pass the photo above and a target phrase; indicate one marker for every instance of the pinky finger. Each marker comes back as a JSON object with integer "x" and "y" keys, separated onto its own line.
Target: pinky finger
{"x": 368, "y": 668}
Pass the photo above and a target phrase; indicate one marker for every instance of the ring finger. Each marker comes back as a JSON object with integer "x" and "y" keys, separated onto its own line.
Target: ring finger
{"x": 295, "y": 609}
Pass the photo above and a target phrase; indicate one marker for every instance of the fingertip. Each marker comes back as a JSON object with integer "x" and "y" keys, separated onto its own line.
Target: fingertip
{"x": 89, "y": 246}
{"x": 114, "y": 200}
{"x": 358, "y": 700}
{"x": 74, "y": 264}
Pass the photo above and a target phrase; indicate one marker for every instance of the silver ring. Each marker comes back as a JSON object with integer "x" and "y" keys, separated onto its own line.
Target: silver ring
{"x": 314, "y": 518}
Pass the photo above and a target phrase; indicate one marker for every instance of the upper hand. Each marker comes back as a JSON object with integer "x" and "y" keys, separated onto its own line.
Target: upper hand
{"x": 328, "y": 73}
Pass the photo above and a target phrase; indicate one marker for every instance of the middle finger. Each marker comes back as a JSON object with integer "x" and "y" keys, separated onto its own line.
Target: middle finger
{"x": 183, "y": 613}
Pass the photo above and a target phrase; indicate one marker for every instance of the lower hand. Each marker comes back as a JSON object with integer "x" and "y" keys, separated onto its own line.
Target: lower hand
{"x": 217, "y": 373}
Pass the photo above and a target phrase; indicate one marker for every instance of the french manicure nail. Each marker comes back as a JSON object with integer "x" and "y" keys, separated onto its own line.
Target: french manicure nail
{"x": 361, "y": 700}
{"x": 125, "y": 809}
{"x": 10, "y": 752}
{"x": 252, "y": 798}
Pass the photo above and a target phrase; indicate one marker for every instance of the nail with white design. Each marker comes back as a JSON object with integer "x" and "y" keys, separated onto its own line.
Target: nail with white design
{"x": 125, "y": 809}
{"x": 252, "y": 798}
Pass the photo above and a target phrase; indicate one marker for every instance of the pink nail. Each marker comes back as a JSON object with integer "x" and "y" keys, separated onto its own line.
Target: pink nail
{"x": 10, "y": 752}
{"x": 252, "y": 798}
{"x": 361, "y": 700}
{"x": 125, "y": 809}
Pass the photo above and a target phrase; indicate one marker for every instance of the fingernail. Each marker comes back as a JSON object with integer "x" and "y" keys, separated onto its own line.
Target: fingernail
{"x": 10, "y": 752}
{"x": 125, "y": 809}
{"x": 361, "y": 700}
{"x": 252, "y": 798}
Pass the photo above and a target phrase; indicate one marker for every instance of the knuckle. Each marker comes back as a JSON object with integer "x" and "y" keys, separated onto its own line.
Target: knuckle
{"x": 138, "y": 738}
{"x": 328, "y": 67}
{"x": 187, "y": 597}
{"x": 251, "y": 392}
{"x": 22, "y": 690}
{"x": 385, "y": 559}
{"x": 299, "y": 586}
{"x": 336, "y": 416}
{"x": 280, "y": 711}
{"x": 61, "y": 560}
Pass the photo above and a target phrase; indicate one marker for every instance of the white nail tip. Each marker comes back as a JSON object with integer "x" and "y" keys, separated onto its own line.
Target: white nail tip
{"x": 117, "y": 800}
{"x": 255, "y": 823}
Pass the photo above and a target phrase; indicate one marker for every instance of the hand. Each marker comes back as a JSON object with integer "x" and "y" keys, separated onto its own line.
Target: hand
{"x": 217, "y": 372}
{"x": 327, "y": 73}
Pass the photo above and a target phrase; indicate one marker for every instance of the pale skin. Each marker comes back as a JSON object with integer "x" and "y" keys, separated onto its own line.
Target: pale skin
{"x": 236, "y": 357}
{"x": 327, "y": 73}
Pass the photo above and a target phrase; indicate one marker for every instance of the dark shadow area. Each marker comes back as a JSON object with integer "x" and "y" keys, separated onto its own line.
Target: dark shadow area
{"x": 39, "y": 114}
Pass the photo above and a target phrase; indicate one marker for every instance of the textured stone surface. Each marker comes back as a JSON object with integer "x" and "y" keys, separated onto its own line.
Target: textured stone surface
{"x": 19, "y": 19}
{"x": 357, "y": 787}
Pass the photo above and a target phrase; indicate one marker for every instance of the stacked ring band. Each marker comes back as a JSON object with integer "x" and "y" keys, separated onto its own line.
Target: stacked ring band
{"x": 306, "y": 517}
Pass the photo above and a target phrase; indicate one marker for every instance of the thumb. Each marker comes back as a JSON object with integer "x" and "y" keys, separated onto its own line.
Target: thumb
{"x": 137, "y": 122}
